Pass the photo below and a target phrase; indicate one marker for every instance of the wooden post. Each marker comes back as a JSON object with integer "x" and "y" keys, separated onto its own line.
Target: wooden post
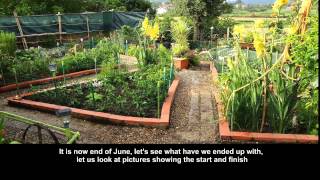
{"x": 24, "y": 42}
{"x": 228, "y": 32}
{"x": 88, "y": 26}
{"x": 60, "y": 26}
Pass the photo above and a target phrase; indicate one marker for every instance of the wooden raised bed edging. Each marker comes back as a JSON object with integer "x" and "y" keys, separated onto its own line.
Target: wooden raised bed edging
{"x": 227, "y": 134}
{"x": 45, "y": 80}
{"x": 249, "y": 46}
{"x": 163, "y": 121}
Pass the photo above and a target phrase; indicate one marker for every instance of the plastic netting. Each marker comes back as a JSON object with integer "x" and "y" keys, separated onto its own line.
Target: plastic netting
{"x": 71, "y": 23}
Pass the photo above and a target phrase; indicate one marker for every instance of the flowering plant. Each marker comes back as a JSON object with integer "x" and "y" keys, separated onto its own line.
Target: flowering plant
{"x": 277, "y": 90}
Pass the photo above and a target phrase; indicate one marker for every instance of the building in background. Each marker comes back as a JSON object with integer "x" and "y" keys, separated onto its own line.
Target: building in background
{"x": 164, "y": 7}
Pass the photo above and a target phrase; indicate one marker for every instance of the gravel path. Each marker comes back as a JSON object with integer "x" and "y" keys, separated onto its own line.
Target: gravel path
{"x": 193, "y": 117}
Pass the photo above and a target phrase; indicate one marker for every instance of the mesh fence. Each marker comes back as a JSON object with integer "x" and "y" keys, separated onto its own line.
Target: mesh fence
{"x": 71, "y": 23}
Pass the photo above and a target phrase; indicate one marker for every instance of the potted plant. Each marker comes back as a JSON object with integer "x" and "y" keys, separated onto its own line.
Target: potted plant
{"x": 180, "y": 47}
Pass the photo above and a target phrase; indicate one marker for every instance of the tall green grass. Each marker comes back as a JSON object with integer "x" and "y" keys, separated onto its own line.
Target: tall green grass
{"x": 7, "y": 43}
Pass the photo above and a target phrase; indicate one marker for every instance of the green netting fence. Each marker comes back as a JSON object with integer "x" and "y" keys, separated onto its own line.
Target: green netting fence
{"x": 71, "y": 23}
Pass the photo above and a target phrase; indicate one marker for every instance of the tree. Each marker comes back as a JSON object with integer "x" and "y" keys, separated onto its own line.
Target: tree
{"x": 201, "y": 12}
{"x": 32, "y": 7}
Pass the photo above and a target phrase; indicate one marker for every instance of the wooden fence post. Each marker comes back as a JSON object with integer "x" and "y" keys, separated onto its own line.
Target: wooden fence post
{"x": 24, "y": 41}
{"x": 60, "y": 26}
{"x": 88, "y": 26}
{"x": 228, "y": 33}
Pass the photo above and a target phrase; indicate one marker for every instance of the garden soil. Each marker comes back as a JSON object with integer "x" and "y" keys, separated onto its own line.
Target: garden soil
{"x": 193, "y": 116}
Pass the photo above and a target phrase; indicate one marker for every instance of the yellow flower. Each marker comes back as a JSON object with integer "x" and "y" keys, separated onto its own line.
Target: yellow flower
{"x": 279, "y": 4}
{"x": 150, "y": 31}
{"x": 305, "y": 5}
{"x": 259, "y": 45}
{"x": 239, "y": 30}
{"x": 293, "y": 29}
{"x": 259, "y": 23}
{"x": 145, "y": 23}
{"x": 146, "y": 28}
{"x": 155, "y": 31}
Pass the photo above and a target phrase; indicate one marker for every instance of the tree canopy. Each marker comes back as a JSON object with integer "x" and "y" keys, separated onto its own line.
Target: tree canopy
{"x": 32, "y": 7}
{"x": 201, "y": 11}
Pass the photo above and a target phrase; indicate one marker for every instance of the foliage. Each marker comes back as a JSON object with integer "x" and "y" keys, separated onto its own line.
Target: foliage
{"x": 275, "y": 95}
{"x": 220, "y": 26}
{"x": 2, "y": 131}
{"x": 134, "y": 50}
{"x": 305, "y": 55}
{"x": 164, "y": 56}
{"x": 129, "y": 34}
{"x": 165, "y": 26}
{"x": 161, "y": 55}
{"x": 31, "y": 7}
{"x": 180, "y": 32}
{"x": 146, "y": 51}
{"x": 245, "y": 34}
{"x": 33, "y": 63}
{"x": 200, "y": 11}
{"x": 7, "y": 43}
{"x": 116, "y": 91}
{"x": 193, "y": 58}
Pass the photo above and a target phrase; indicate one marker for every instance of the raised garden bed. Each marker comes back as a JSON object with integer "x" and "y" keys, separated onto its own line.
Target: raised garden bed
{"x": 27, "y": 84}
{"x": 128, "y": 61}
{"x": 247, "y": 46}
{"x": 163, "y": 121}
{"x": 227, "y": 134}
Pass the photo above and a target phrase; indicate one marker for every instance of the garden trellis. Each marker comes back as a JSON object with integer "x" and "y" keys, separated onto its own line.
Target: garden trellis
{"x": 60, "y": 24}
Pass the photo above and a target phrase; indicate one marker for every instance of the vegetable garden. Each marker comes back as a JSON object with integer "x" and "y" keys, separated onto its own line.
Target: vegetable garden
{"x": 265, "y": 78}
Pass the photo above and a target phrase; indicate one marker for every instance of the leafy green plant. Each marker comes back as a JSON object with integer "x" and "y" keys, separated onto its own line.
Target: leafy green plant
{"x": 193, "y": 58}
{"x": 128, "y": 34}
{"x": 305, "y": 57}
{"x": 165, "y": 26}
{"x": 180, "y": 32}
{"x": 164, "y": 55}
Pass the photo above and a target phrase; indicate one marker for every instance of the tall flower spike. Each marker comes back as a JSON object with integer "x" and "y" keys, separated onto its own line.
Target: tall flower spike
{"x": 145, "y": 23}
{"x": 154, "y": 34}
{"x": 259, "y": 45}
{"x": 146, "y": 26}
